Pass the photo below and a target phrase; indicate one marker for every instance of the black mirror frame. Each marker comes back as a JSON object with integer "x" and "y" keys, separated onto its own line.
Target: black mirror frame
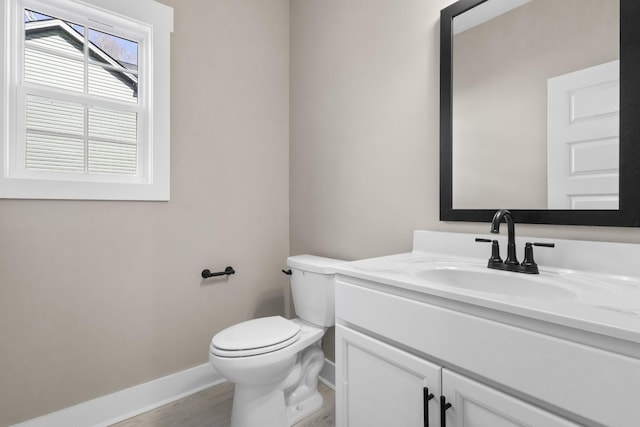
{"x": 628, "y": 214}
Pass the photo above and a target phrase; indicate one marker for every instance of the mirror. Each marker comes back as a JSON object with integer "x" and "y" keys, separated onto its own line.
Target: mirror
{"x": 533, "y": 98}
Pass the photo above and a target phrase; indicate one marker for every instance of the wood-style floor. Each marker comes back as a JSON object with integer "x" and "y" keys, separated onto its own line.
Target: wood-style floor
{"x": 212, "y": 408}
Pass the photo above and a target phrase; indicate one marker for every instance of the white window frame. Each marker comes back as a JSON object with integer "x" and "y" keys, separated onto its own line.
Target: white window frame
{"x": 145, "y": 21}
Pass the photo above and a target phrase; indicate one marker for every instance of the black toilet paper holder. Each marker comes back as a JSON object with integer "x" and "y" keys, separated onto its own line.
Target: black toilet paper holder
{"x": 227, "y": 271}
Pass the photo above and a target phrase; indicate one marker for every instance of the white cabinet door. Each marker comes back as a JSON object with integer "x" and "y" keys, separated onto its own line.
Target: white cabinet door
{"x": 476, "y": 405}
{"x": 378, "y": 385}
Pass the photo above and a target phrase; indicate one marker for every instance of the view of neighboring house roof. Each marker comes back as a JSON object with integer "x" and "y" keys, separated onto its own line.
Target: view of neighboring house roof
{"x": 34, "y": 29}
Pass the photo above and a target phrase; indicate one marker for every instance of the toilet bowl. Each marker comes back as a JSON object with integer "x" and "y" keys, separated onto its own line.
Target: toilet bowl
{"x": 275, "y": 362}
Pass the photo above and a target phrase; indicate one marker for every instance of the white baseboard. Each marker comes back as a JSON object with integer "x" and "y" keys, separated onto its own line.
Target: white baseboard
{"x": 124, "y": 404}
{"x": 328, "y": 374}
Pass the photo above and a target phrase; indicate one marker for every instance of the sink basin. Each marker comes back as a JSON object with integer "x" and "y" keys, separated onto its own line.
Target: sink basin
{"x": 498, "y": 282}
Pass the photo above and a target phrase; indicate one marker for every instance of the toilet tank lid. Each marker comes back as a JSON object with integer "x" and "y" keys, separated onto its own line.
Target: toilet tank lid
{"x": 314, "y": 264}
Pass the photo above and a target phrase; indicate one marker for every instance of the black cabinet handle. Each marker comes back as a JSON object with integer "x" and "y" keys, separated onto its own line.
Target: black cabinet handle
{"x": 426, "y": 398}
{"x": 443, "y": 409}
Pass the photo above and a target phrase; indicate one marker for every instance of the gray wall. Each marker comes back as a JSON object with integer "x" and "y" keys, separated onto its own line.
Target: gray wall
{"x": 99, "y": 296}
{"x": 364, "y": 134}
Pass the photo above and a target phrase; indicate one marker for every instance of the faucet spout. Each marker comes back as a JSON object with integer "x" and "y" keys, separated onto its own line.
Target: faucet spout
{"x": 505, "y": 215}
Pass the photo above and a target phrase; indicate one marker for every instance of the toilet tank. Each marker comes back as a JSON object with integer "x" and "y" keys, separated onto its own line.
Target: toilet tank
{"x": 313, "y": 288}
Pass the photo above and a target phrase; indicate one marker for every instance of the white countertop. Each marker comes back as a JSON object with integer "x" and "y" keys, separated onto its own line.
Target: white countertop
{"x": 605, "y": 303}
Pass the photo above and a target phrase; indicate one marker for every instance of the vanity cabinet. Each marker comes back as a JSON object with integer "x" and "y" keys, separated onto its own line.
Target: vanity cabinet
{"x": 391, "y": 344}
{"x": 380, "y": 385}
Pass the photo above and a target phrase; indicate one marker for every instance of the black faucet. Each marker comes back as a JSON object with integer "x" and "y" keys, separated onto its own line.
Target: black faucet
{"x": 503, "y": 214}
{"x": 528, "y": 266}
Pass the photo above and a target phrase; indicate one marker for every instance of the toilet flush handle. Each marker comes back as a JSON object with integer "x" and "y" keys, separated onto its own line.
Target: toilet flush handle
{"x": 287, "y": 272}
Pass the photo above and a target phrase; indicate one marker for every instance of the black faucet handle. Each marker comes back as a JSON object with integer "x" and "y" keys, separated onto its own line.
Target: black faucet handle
{"x": 495, "y": 251}
{"x": 545, "y": 245}
{"x": 528, "y": 264}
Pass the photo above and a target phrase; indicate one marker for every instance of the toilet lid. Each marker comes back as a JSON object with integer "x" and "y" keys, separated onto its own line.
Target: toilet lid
{"x": 256, "y": 336}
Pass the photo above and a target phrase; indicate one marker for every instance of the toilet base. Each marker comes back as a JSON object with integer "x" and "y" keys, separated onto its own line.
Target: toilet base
{"x": 258, "y": 406}
{"x": 304, "y": 409}
{"x": 301, "y": 388}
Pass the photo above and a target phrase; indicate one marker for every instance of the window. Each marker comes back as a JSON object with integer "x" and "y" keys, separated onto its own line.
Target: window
{"x": 86, "y": 100}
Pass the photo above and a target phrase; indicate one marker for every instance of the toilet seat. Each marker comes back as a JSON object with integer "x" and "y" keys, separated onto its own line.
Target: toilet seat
{"x": 254, "y": 337}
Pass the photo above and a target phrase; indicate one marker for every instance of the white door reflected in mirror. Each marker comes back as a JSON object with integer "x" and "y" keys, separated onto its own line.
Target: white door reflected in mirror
{"x": 583, "y": 138}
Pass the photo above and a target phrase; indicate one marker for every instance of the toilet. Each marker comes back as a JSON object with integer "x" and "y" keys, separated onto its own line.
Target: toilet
{"x": 275, "y": 362}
